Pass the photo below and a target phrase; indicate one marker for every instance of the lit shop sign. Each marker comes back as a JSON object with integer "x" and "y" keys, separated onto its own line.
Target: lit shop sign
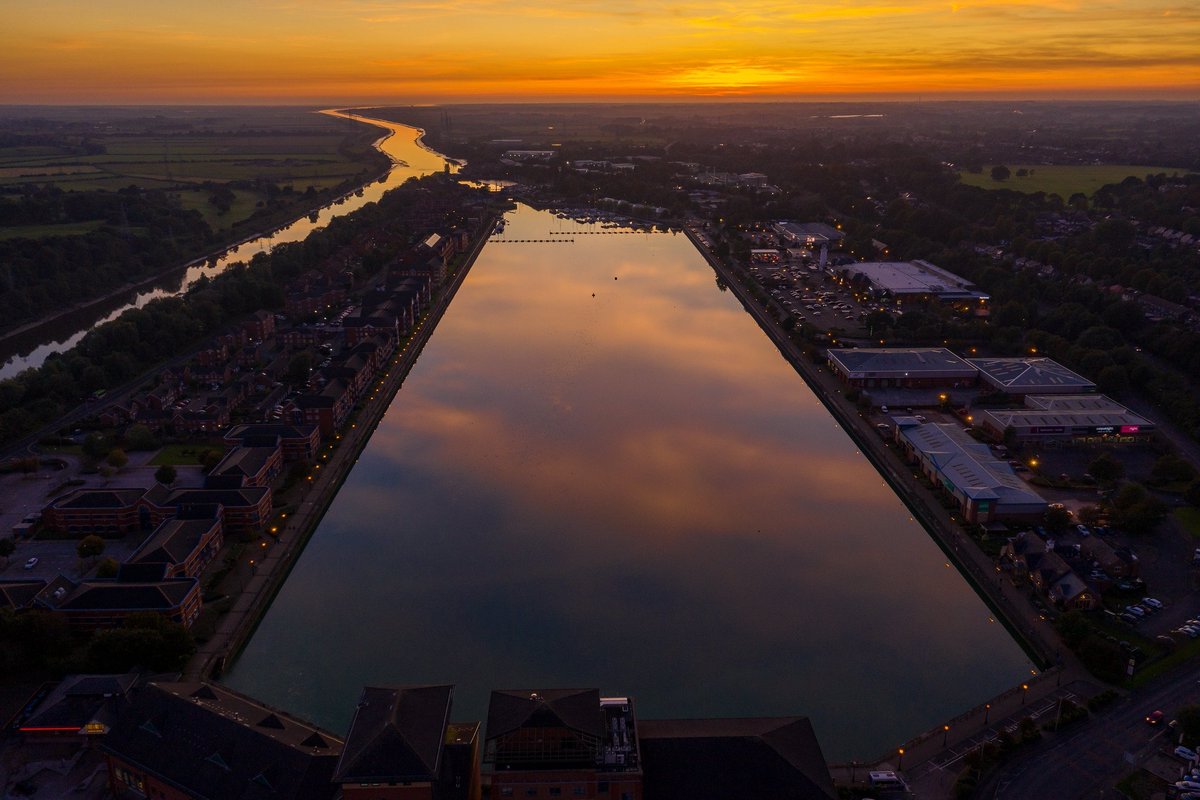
{"x": 1130, "y": 428}
{"x": 1104, "y": 429}
{"x": 1048, "y": 429}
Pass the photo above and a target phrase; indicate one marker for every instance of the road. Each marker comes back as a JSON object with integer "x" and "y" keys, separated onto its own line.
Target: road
{"x": 1089, "y": 762}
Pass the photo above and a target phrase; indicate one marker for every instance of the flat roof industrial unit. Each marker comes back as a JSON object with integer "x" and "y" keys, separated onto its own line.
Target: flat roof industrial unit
{"x": 1072, "y": 402}
{"x": 901, "y": 362}
{"x": 1074, "y": 416}
{"x": 1022, "y": 376}
{"x": 809, "y": 232}
{"x": 968, "y": 470}
{"x": 914, "y": 279}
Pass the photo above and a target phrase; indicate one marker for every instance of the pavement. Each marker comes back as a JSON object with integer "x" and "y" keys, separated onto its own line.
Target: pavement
{"x": 929, "y": 757}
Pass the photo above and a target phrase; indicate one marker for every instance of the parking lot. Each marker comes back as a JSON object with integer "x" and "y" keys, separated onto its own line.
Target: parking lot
{"x": 24, "y": 495}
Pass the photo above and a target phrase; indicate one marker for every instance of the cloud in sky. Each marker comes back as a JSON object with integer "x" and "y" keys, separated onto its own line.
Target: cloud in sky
{"x": 352, "y": 50}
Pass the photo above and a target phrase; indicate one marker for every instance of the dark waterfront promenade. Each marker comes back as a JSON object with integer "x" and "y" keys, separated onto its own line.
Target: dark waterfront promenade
{"x": 271, "y": 569}
{"x": 1020, "y": 617}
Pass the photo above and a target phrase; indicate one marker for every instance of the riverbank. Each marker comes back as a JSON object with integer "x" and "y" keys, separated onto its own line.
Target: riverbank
{"x": 272, "y": 566}
{"x": 129, "y": 292}
{"x": 1038, "y": 640}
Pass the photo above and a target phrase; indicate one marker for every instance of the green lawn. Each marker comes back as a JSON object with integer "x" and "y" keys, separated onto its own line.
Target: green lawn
{"x": 182, "y": 454}
{"x": 1062, "y": 180}
{"x": 44, "y": 231}
{"x": 1188, "y": 518}
{"x": 244, "y": 204}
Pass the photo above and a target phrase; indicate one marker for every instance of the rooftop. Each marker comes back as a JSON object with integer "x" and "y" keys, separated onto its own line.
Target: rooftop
{"x": 893, "y": 361}
{"x": 966, "y": 464}
{"x": 915, "y": 278}
{"x": 1030, "y": 375}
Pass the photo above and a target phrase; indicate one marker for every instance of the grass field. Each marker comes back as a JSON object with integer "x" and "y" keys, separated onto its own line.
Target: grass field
{"x": 1189, "y": 520}
{"x": 244, "y": 204}
{"x": 44, "y": 231}
{"x": 181, "y": 454}
{"x": 1063, "y": 181}
{"x": 180, "y": 149}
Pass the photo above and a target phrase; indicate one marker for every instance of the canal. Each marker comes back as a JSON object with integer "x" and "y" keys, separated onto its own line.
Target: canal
{"x": 401, "y": 143}
{"x": 601, "y": 473}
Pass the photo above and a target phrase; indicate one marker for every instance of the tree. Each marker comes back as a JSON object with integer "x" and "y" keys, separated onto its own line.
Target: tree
{"x": 1106, "y": 469}
{"x": 1172, "y": 469}
{"x": 96, "y": 445}
{"x": 146, "y": 640}
{"x": 108, "y": 568}
{"x": 1138, "y": 511}
{"x": 1057, "y": 519}
{"x": 7, "y": 546}
{"x": 210, "y": 458}
{"x": 139, "y": 437}
{"x": 1090, "y": 515}
{"x": 90, "y": 546}
{"x": 1000, "y": 173}
{"x": 166, "y": 474}
{"x": 116, "y": 458}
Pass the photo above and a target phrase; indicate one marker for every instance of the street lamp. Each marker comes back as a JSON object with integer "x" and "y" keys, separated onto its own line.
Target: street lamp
{"x": 987, "y": 710}
{"x": 1024, "y": 690}
{"x": 900, "y": 761}
{"x": 945, "y": 734}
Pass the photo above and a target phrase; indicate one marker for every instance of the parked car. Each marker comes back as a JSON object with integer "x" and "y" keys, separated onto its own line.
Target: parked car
{"x": 1135, "y": 610}
{"x": 1084, "y": 530}
{"x": 31, "y": 563}
{"x": 1152, "y": 602}
{"x": 1154, "y": 717}
{"x": 1185, "y": 752}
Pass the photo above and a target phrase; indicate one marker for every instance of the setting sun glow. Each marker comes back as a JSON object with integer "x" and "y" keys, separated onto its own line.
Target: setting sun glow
{"x": 310, "y": 51}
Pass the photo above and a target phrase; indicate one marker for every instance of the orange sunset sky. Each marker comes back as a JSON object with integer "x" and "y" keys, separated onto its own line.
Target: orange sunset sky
{"x": 359, "y": 51}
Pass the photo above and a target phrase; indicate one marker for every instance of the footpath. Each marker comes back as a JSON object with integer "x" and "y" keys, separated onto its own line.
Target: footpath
{"x": 273, "y": 561}
{"x": 1010, "y": 605}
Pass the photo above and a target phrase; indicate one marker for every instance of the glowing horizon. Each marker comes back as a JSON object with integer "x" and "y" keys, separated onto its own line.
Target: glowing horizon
{"x": 376, "y": 51}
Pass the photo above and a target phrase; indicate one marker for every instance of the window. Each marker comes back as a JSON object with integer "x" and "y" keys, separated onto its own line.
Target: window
{"x": 555, "y": 791}
{"x": 506, "y": 791}
{"x": 531, "y": 792}
{"x": 580, "y": 791}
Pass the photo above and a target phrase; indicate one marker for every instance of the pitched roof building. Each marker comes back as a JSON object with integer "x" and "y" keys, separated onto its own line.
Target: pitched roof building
{"x": 774, "y": 758}
{"x": 201, "y": 740}
{"x": 402, "y": 744}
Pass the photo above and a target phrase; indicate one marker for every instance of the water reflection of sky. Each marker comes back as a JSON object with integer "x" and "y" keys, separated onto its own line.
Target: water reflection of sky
{"x": 631, "y": 491}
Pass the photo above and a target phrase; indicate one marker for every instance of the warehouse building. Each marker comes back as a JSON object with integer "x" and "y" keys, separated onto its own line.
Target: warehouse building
{"x": 911, "y": 367}
{"x": 913, "y": 281}
{"x": 1018, "y": 377}
{"x": 1083, "y": 419}
{"x": 985, "y": 488}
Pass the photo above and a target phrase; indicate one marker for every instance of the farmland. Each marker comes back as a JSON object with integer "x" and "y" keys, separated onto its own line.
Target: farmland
{"x": 1062, "y": 180}
{"x": 260, "y": 155}
{"x": 116, "y": 196}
